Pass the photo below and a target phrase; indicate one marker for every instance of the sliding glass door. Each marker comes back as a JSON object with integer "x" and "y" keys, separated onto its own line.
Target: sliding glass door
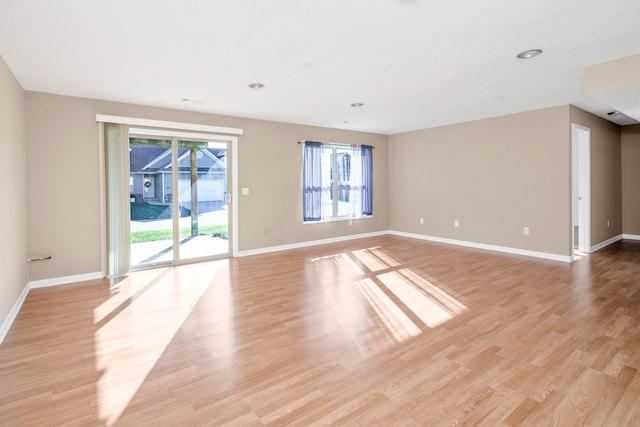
{"x": 203, "y": 196}
{"x": 179, "y": 200}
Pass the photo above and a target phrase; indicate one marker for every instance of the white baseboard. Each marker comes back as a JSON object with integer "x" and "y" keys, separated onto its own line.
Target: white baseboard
{"x": 98, "y": 275}
{"x": 535, "y": 254}
{"x": 631, "y": 236}
{"x": 11, "y": 317}
{"x": 310, "y": 243}
{"x": 606, "y": 243}
{"x": 65, "y": 280}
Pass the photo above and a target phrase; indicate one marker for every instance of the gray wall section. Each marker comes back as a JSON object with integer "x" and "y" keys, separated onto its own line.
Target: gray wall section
{"x": 495, "y": 176}
{"x": 13, "y": 215}
{"x": 64, "y": 180}
{"x": 631, "y": 180}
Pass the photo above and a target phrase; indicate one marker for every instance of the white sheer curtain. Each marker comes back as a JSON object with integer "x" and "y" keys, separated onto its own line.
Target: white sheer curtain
{"x": 355, "y": 182}
{"x": 116, "y": 141}
{"x": 326, "y": 187}
{"x": 367, "y": 179}
{"x": 337, "y": 181}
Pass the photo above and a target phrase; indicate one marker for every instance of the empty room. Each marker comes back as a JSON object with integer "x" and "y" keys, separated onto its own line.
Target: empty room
{"x": 381, "y": 213}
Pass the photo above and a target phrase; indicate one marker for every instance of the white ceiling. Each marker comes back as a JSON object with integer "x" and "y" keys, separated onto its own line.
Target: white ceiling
{"x": 413, "y": 63}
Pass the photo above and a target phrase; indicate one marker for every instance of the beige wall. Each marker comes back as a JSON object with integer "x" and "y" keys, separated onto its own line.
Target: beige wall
{"x": 13, "y": 215}
{"x": 271, "y": 166}
{"x": 63, "y": 182}
{"x": 606, "y": 183}
{"x": 612, "y": 74}
{"x": 495, "y": 176}
{"x": 631, "y": 180}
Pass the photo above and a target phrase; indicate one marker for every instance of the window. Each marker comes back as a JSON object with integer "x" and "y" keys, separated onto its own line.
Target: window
{"x": 337, "y": 181}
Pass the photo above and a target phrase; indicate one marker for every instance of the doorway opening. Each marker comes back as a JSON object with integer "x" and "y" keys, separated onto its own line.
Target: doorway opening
{"x": 581, "y": 188}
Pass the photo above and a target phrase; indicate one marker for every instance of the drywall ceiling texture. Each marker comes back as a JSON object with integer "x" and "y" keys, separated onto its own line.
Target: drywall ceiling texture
{"x": 64, "y": 180}
{"x": 495, "y": 176}
{"x": 13, "y": 215}
{"x": 413, "y": 63}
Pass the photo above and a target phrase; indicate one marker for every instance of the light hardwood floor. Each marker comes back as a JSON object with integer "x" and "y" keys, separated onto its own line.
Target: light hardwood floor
{"x": 378, "y": 331}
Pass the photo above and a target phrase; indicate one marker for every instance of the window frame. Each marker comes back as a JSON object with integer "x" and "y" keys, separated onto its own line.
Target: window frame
{"x": 336, "y": 182}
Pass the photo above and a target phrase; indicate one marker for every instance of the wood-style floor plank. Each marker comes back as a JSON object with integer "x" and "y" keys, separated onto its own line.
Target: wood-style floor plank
{"x": 379, "y": 331}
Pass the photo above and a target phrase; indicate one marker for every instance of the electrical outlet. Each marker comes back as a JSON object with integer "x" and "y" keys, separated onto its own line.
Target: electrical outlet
{"x": 266, "y": 232}
{"x": 421, "y": 220}
{"x": 456, "y": 223}
{"x": 525, "y": 231}
{"x": 350, "y": 222}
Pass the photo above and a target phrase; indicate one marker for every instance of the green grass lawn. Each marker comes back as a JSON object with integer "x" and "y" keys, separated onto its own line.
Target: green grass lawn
{"x": 153, "y": 235}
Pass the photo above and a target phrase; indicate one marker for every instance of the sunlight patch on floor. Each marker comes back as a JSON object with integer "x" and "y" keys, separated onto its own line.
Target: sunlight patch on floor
{"x": 135, "y": 326}
{"x": 375, "y": 259}
{"x": 338, "y": 265}
{"x": 403, "y": 300}
{"x": 433, "y": 308}
{"x": 394, "y": 319}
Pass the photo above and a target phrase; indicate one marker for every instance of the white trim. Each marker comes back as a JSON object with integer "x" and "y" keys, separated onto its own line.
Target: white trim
{"x": 99, "y": 275}
{"x": 631, "y": 236}
{"x": 581, "y": 157}
{"x": 65, "y": 280}
{"x": 132, "y": 121}
{"x": 11, "y": 317}
{"x": 310, "y": 243}
{"x": 606, "y": 243}
{"x": 535, "y": 254}
{"x": 229, "y": 139}
{"x": 233, "y": 141}
{"x": 234, "y": 196}
{"x": 177, "y": 134}
{"x": 515, "y": 251}
{"x": 102, "y": 168}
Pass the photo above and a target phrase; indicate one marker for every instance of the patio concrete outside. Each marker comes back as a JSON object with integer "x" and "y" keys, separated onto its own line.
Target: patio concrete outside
{"x": 191, "y": 247}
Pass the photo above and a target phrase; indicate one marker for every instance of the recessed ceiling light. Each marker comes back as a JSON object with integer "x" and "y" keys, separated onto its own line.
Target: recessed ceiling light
{"x": 256, "y": 85}
{"x": 529, "y": 53}
{"x": 357, "y": 104}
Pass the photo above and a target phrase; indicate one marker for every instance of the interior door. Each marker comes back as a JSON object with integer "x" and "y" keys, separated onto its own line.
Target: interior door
{"x": 581, "y": 155}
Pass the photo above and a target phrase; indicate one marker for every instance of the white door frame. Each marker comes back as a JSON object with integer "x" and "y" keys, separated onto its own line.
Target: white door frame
{"x": 581, "y": 186}
{"x": 232, "y": 185}
{"x": 223, "y": 133}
